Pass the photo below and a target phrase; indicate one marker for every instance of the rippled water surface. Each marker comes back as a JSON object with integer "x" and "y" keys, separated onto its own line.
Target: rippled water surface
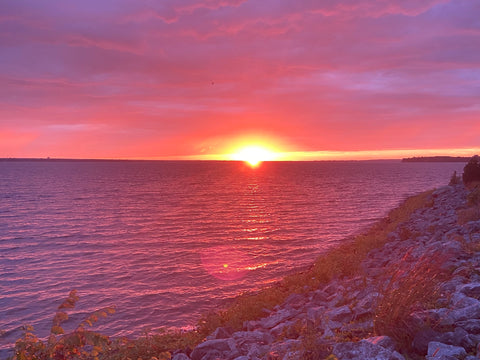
{"x": 166, "y": 241}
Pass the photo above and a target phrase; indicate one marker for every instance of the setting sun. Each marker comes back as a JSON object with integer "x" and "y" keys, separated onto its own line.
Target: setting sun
{"x": 254, "y": 155}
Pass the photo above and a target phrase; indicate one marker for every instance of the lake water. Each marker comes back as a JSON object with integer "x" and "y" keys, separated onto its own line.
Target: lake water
{"x": 166, "y": 241}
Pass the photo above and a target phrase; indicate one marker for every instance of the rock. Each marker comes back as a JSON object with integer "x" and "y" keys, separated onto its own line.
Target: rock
{"x": 220, "y": 333}
{"x": 296, "y": 301}
{"x": 277, "y": 318}
{"x": 341, "y": 314}
{"x": 458, "y": 337}
{"x": 470, "y": 325}
{"x": 365, "y": 306}
{"x": 362, "y": 327}
{"x": 442, "y": 191}
{"x": 468, "y": 312}
{"x": 422, "y": 338}
{"x": 366, "y": 350}
{"x": 334, "y": 288}
{"x": 383, "y": 341}
{"x": 472, "y": 290}
{"x": 315, "y": 313}
{"x": 460, "y": 300}
{"x": 320, "y": 297}
{"x": 438, "y": 350}
{"x": 281, "y": 328}
{"x": 295, "y": 354}
{"x": 279, "y": 349}
{"x": 258, "y": 337}
{"x": 180, "y": 356}
{"x": 213, "y": 347}
{"x": 257, "y": 351}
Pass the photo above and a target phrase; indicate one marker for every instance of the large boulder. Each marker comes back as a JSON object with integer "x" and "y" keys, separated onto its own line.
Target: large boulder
{"x": 215, "y": 348}
{"x": 367, "y": 349}
{"x": 438, "y": 350}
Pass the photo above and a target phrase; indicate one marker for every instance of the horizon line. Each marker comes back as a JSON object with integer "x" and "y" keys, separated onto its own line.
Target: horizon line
{"x": 348, "y": 155}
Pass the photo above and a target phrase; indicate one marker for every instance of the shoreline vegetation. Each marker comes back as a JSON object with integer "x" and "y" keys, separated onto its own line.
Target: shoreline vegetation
{"x": 437, "y": 159}
{"x": 407, "y": 287}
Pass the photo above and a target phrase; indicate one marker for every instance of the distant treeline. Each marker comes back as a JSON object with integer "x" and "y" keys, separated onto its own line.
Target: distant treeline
{"x": 437, "y": 159}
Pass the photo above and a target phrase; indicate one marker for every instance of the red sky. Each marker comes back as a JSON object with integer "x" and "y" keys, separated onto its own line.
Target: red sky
{"x": 187, "y": 78}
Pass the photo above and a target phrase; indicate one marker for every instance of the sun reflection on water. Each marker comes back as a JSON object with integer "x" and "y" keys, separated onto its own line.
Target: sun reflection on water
{"x": 233, "y": 259}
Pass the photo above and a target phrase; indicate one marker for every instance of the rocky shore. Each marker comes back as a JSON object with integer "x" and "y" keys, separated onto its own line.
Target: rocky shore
{"x": 415, "y": 297}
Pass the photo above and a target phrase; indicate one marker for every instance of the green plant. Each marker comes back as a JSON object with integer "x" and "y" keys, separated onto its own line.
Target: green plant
{"x": 406, "y": 292}
{"x": 473, "y": 197}
{"x": 469, "y": 214}
{"x": 471, "y": 171}
{"x": 79, "y": 344}
{"x": 472, "y": 210}
{"x": 455, "y": 179}
{"x": 153, "y": 346}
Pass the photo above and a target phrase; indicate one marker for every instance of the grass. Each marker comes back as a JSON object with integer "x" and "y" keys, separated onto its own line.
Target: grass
{"x": 406, "y": 292}
{"x": 344, "y": 260}
{"x": 472, "y": 210}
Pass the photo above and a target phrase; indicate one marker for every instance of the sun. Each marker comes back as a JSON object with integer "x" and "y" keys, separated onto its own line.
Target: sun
{"x": 254, "y": 155}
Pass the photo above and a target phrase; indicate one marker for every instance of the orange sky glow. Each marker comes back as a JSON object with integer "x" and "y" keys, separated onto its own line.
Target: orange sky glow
{"x": 190, "y": 79}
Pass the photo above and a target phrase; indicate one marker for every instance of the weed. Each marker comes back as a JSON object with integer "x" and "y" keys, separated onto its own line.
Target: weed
{"x": 473, "y": 197}
{"x": 455, "y": 179}
{"x": 472, "y": 210}
{"x": 406, "y": 292}
{"x": 153, "y": 346}
{"x": 79, "y": 344}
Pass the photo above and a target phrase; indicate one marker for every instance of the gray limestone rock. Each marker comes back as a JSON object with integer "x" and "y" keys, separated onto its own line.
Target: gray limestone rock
{"x": 472, "y": 290}
{"x": 465, "y": 313}
{"x": 315, "y": 313}
{"x": 257, "y": 351}
{"x": 438, "y": 350}
{"x": 180, "y": 356}
{"x": 470, "y": 325}
{"x": 458, "y": 337}
{"x": 217, "y": 347}
{"x": 365, "y": 349}
{"x": 281, "y": 328}
{"x": 258, "y": 337}
{"x": 320, "y": 297}
{"x": 341, "y": 314}
{"x": 296, "y": 301}
{"x": 422, "y": 338}
{"x": 334, "y": 288}
{"x": 383, "y": 341}
{"x": 365, "y": 306}
{"x": 278, "y": 350}
{"x": 277, "y": 318}
{"x": 220, "y": 333}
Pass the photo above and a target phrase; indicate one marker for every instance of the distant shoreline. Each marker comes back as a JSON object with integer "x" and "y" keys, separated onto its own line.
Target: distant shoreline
{"x": 179, "y": 160}
{"x": 412, "y": 159}
{"x": 437, "y": 159}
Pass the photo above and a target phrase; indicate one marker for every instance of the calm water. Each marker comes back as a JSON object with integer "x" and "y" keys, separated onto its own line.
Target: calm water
{"x": 166, "y": 241}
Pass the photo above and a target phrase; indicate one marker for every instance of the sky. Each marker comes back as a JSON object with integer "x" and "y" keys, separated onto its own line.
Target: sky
{"x": 188, "y": 79}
